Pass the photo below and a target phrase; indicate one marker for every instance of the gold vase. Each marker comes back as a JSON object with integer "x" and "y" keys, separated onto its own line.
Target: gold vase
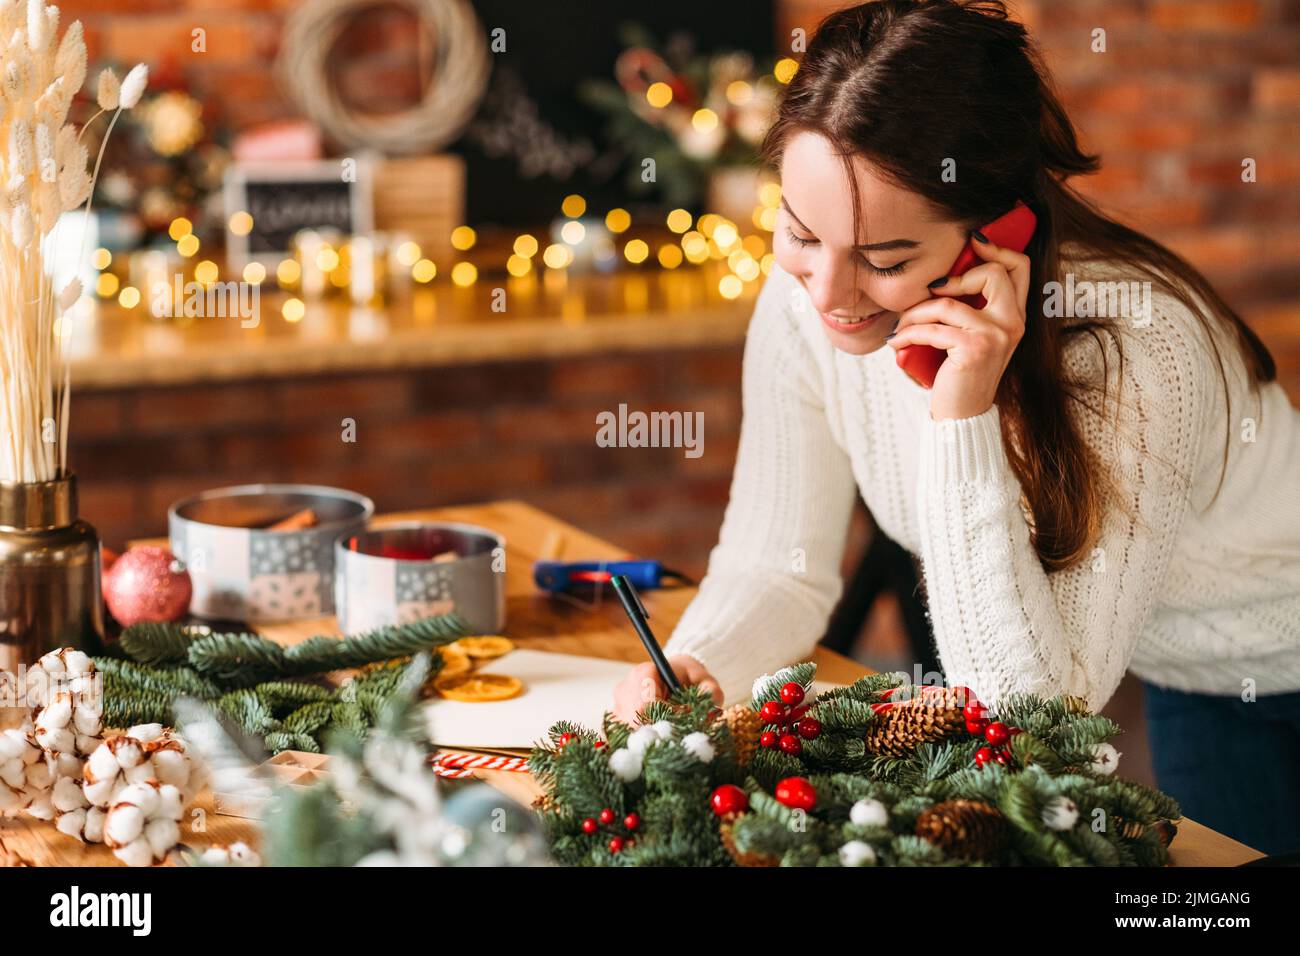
{"x": 49, "y": 573}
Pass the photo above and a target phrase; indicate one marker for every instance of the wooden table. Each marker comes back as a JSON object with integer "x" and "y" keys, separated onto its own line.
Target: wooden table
{"x": 536, "y": 621}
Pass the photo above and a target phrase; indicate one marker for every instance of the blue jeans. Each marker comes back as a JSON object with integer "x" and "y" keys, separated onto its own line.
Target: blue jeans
{"x": 1231, "y": 765}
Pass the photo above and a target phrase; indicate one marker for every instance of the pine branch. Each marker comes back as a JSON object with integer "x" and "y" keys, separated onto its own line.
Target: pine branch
{"x": 238, "y": 660}
{"x": 321, "y": 653}
{"x": 154, "y": 643}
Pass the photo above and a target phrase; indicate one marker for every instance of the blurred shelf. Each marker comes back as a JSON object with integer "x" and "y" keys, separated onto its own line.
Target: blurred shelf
{"x": 544, "y": 316}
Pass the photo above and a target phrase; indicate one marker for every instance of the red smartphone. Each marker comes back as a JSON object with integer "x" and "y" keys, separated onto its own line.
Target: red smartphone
{"x": 1012, "y": 230}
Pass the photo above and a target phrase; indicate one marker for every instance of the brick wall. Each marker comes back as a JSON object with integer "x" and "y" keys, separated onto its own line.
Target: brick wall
{"x": 426, "y": 438}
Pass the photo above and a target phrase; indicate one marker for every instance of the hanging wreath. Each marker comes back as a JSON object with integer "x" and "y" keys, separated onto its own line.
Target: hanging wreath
{"x": 459, "y": 75}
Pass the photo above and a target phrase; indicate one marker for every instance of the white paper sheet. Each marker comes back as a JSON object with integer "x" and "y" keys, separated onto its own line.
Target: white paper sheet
{"x": 556, "y": 687}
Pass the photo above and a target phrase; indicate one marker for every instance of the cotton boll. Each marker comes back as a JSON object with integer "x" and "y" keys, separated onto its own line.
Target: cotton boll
{"x": 172, "y": 766}
{"x": 664, "y": 729}
{"x": 869, "y": 813}
{"x": 640, "y": 739}
{"x": 139, "y": 773}
{"x": 102, "y": 764}
{"x": 698, "y": 746}
{"x": 100, "y": 792}
{"x": 109, "y": 90}
{"x": 72, "y": 824}
{"x": 625, "y": 764}
{"x": 123, "y": 824}
{"x": 67, "y": 795}
{"x": 127, "y": 751}
{"x": 145, "y": 733}
{"x": 162, "y": 835}
{"x": 1105, "y": 759}
{"x": 171, "y": 802}
{"x": 94, "y": 830}
{"x": 241, "y": 854}
{"x": 133, "y": 86}
{"x": 857, "y": 853}
{"x": 1060, "y": 813}
{"x": 136, "y": 853}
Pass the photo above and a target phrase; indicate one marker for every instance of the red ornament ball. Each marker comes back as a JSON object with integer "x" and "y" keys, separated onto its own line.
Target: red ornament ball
{"x": 589, "y": 825}
{"x": 790, "y": 744}
{"x": 615, "y": 844}
{"x": 796, "y": 793}
{"x": 773, "y": 712}
{"x": 973, "y": 710}
{"x": 768, "y": 738}
{"x": 728, "y": 798}
{"x": 983, "y": 756}
{"x": 147, "y": 584}
{"x": 810, "y": 728}
{"x": 631, "y": 821}
{"x": 607, "y": 816}
{"x": 792, "y": 693}
{"x": 997, "y": 733}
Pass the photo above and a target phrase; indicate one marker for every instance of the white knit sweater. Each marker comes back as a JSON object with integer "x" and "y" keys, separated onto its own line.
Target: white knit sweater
{"x": 1195, "y": 596}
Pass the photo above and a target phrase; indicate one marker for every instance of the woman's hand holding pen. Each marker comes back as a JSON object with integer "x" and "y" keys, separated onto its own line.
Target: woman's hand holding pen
{"x": 642, "y": 685}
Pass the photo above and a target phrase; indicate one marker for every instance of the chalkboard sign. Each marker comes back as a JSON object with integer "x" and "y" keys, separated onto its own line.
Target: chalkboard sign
{"x": 284, "y": 198}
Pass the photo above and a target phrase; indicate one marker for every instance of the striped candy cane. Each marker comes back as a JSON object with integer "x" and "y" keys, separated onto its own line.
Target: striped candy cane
{"x": 462, "y": 761}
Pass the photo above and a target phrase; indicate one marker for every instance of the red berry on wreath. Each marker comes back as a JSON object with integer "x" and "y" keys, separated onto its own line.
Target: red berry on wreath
{"x": 1003, "y": 758}
{"x": 797, "y": 714}
{"x": 997, "y": 733}
{"x": 599, "y": 744}
{"x": 768, "y": 738}
{"x": 615, "y": 844}
{"x": 792, "y": 693}
{"x": 973, "y": 710}
{"x": 589, "y": 825}
{"x": 1015, "y": 730}
{"x": 976, "y": 727}
{"x": 564, "y": 740}
{"x": 607, "y": 816}
{"x": 773, "y": 712}
{"x": 728, "y": 798}
{"x": 983, "y": 756}
{"x": 790, "y": 744}
{"x": 631, "y": 821}
{"x": 796, "y": 793}
{"x": 810, "y": 728}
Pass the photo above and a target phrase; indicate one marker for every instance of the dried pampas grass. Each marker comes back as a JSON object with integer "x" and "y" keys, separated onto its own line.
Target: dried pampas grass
{"x": 43, "y": 169}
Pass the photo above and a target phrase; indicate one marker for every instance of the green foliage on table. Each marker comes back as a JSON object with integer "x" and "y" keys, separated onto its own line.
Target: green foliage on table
{"x": 267, "y": 690}
{"x": 1052, "y": 806}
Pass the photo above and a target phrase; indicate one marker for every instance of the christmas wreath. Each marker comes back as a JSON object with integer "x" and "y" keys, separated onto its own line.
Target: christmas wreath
{"x": 877, "y": 773}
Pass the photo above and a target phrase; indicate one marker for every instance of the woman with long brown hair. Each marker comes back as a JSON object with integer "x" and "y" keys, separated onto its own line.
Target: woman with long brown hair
{"x": 1090, "y": 490}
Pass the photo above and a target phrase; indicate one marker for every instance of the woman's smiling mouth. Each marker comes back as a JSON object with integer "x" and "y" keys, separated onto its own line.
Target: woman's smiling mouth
{"x": 850, "y": 323}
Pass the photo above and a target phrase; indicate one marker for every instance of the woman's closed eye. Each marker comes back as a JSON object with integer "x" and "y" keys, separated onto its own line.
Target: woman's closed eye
{"x": 893, "y": 270}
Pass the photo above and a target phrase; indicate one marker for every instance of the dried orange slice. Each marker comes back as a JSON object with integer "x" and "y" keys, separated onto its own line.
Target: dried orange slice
{"x": 455, "y": 664}
{"x": 479, "y": 688}
{"x": 485, "y": 647}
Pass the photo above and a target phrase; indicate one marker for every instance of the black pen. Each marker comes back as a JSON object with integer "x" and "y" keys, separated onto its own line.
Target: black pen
{"x": 639, "y": 616}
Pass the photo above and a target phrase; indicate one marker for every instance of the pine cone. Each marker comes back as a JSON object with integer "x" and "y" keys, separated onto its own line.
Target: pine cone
{"x": 545, "y": 803}
{"x": 741, "y": 859}
{"x": 745, "y": 725}
{"x": 1075, "y": 705}
{"x": 1166, "y": 830}
{"x": 964, "y": 828}
{"x": 933, "y": 714}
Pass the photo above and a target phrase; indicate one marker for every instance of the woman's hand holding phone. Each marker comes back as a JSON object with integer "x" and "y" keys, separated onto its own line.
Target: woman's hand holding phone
{"x": 979, "y": 342}
{"x": 642, "y": 685}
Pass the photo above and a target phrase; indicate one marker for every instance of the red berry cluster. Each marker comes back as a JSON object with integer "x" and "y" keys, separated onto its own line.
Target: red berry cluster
{"x": 788, "y": 715}
{"x": 998, "y": 734}
{"x": 607, "y": 817}
{"x": 567, "y": 738}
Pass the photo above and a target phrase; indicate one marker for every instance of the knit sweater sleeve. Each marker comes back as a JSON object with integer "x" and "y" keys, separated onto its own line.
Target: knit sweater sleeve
{"x": 1001, "y": 623}
{"x": 774, "y": 576}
